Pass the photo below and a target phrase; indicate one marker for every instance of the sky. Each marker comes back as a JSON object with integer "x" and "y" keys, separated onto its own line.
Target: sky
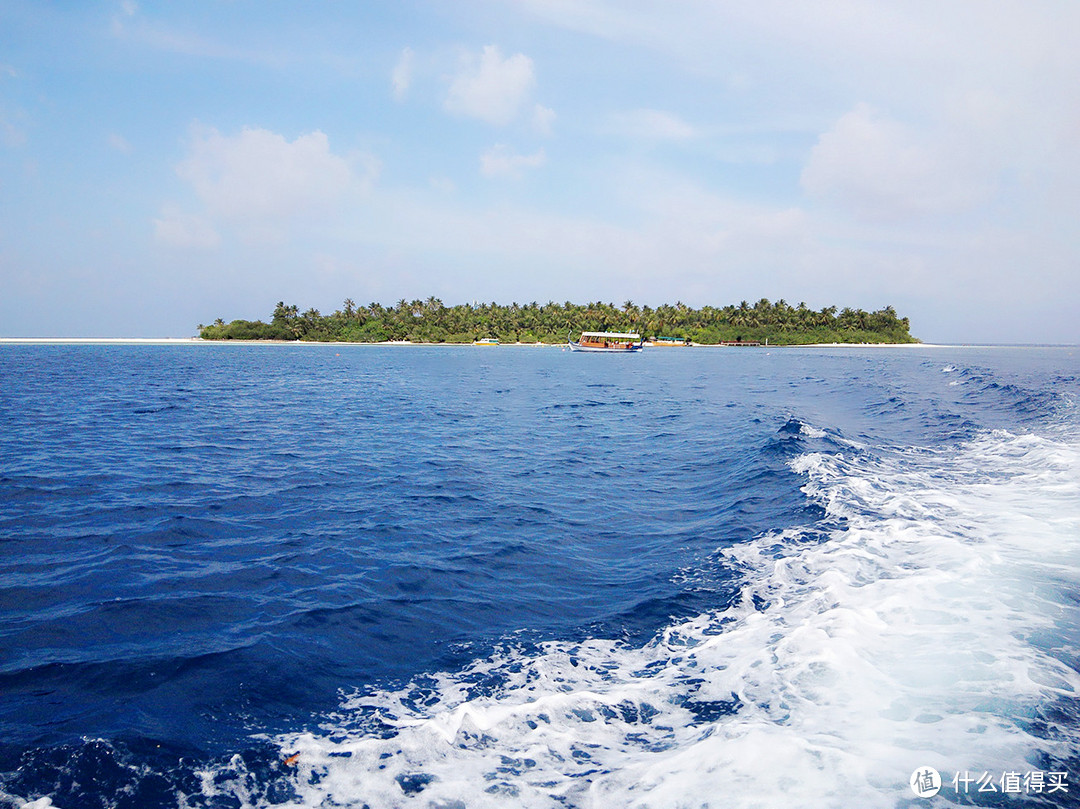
{"x": 166, "y": 164}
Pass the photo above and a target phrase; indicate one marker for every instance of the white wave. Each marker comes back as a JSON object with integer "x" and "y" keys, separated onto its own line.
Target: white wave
{"x": 918, "y": 633}
{"x": 809, "y": 431}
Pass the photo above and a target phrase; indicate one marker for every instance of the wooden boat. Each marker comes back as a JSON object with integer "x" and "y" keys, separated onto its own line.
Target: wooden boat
{"x": 606, "y": 341}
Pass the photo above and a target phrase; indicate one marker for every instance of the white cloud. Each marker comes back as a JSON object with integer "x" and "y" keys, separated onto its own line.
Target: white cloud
{"x": 258, "y": 174}
{"x": 501, "y": 161}
{"x": 653, "y": 125}
{"x": 881, "y": 169}
{"x": 543, "y": 119}
{"x": 177, "y": 229}
{"x": 677, "y": 233}
{"x": 262, "y": 186}
{"x": 401, "y": 77}
{"x": 491, "y": 88}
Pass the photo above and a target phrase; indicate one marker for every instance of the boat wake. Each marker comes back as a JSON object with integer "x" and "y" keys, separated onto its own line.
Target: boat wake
{"x": 925, "y": 621}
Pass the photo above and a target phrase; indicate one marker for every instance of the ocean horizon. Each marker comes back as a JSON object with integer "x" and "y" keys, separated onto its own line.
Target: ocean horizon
{"x": 202, "y": 341}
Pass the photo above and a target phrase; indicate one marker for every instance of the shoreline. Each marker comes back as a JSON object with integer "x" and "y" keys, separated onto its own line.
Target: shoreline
{"x": 406, "y": 343}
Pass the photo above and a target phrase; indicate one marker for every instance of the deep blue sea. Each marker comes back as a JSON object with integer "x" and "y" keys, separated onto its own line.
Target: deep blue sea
{"x": 457, "y": 577}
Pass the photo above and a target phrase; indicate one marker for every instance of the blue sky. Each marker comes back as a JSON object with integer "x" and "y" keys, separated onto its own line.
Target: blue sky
{"x": 164, "y": 164}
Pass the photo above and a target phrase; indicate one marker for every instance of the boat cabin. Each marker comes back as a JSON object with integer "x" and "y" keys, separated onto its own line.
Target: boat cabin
{"x": 607, "y": 341}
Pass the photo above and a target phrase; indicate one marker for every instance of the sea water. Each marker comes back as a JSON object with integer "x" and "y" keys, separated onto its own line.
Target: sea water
{"x": 347, "y": 576}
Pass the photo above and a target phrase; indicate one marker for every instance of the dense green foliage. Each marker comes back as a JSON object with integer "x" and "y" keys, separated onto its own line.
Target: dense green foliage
{"x": 431, "y": 322}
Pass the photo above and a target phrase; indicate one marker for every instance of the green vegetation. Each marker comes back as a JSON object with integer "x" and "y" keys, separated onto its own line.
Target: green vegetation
{"x": 431, "y": 322}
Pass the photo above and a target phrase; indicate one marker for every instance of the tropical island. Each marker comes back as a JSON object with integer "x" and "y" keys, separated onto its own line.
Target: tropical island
{"x": 430, "y": 321}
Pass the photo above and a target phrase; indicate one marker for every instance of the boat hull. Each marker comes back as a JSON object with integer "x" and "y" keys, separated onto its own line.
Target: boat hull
{"x": 619, "y": 349}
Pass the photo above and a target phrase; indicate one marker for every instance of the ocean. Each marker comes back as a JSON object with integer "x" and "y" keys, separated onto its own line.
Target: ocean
{"x": 242, "y": 576}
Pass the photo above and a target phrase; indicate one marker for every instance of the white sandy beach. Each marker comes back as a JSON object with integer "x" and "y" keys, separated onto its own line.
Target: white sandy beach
{"x": 200, "y": 341}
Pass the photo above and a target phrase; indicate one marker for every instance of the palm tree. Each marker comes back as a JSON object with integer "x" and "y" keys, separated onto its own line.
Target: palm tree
{"x": 431, "y": 319}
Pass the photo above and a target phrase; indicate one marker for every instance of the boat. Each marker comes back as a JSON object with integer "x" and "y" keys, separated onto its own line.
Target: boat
{"x": 669, "y": 341}
{"x": 606, "y": 341}
{"x": 486, "y": 341}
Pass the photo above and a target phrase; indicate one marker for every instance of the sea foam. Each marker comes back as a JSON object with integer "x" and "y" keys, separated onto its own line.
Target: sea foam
{"x": 924, "y": 622}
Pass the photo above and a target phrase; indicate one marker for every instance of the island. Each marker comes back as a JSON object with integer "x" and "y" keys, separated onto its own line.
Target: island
{"x": 430, "y": 321}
